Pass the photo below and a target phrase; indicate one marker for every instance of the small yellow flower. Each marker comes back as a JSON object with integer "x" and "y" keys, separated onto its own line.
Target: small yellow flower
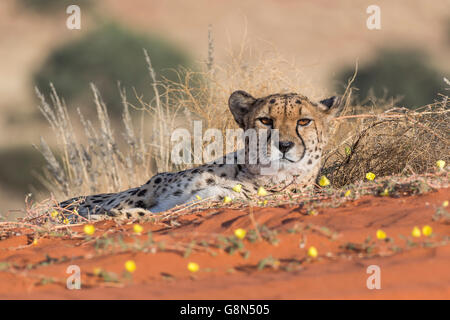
{"x": 265, "y": 202}
{"x": 276, "y": 264}
{"x": 198, "y": 197}
{"x": 262, "y": 192}
{"x": 130, "y": 266}
{"x": 323, "y": 182}
{"x": 193, "y": 267}
{"x": 66, "y": 221}
{"x": 137, "y": 228}
{"x": 240, "y": 233}
{"x": 237, "y": 188}
{"x": 54, "y": 214}
{"x": 348, "y": 150}
{"x": 312, "y": 252}
{"x": 348, "y": 193}
{"x": 445, "y": 204}
{"x": 370, "y": 176}
{"x": 385, "y": 192}
{"x": 35, "y": 241}
{"x": 97, "y": 271}
{"x": 416, "y": 232}
{"x": 440, "y": 164}
{"x": 227, "y": 199}
{"x": 89, "y": 229}
{"x": 381, "y": 234}
{"x": 76, "y": 212}
{"x": 427, "y": 230}
{"x": 313, "y": 212}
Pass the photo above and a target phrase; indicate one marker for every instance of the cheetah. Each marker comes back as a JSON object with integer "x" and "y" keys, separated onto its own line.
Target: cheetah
{"x": 302, "y": 128}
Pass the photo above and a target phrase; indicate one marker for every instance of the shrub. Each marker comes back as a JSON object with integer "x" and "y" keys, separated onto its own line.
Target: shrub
{"x": 104, "y": 57}
{"x": 398, "y": 141}
{"x": 397, "y": 73}
{"x": 16, "y": 164}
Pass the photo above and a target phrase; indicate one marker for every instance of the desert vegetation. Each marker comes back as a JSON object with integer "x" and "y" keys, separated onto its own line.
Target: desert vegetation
{"x": 109, "y": 54}
{"x": 403, "y": 77}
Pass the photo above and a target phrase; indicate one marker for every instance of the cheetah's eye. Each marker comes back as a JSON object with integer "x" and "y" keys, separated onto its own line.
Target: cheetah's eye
{"x": 304, "y": 122}
{"x": 266, "y": 121}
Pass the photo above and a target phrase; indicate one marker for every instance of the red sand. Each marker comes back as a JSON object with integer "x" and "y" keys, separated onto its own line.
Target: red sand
{"x": 419, "y": 271}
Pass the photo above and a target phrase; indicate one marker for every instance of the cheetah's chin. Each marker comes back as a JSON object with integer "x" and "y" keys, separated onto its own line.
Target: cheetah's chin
{"x": 282, "y": 164}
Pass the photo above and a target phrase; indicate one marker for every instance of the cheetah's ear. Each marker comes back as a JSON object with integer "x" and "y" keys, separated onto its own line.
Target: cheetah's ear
{"x": 240, "y": 103}
{"x": 331, "y": 106}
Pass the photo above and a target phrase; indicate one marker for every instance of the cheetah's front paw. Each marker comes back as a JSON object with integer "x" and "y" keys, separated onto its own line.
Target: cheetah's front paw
{"x": 129, "y": 213}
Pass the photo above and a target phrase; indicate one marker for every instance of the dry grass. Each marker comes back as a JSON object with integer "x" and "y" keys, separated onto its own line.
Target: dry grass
{"x": 386, "y": 140}
{"x": 397, "y": 141}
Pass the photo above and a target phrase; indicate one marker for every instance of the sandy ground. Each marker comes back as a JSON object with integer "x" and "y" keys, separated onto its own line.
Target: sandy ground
{"x": 410, "y": 267}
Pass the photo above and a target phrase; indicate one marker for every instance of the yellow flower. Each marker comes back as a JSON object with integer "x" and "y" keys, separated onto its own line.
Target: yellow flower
{"x": 262, "y": 192}
{"x": 440, "y": 164}
{"x": 381, "y": 234}
{"x": 237, "y": 188}
{"x": 385, "y": 192}
{"x": 75, "y": 211}
{"x": 313, "y": 212}
{"x": 240, "y": 233}
{"x": 35, "y": 241}
{"x": 415, "y": 232}
{"x": 276, "y": 264}
{"x": 130, "y": 266}
{"x": 348, "y": 150}
{"x": 89, "y": 229}
{"x": 348, "y": 193}
{"x": 193, "y": 267}
{"x": 97, "y": 271}
{"x": 312, "y": 252}
{"x": 198, "y": 197}
{"x": 265, "y": 202}
{"x": 427, "y": 230}
{"x": 323, "y": 182}
{"x": 227, "y": 199}
{"x": 137, "y": 228}
{"x": 370, "y": 176}
{"x": 66, "y": 221}
{"x": 445, "y": 204}
{"x": 54, "y": 214}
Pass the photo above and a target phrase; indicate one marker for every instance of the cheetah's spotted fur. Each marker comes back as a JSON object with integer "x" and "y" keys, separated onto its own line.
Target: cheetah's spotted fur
{"x": 302, "y": 126}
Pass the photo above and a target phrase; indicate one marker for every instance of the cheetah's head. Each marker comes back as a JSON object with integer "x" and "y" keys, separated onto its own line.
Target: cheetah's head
{"x": 302, "y": 127}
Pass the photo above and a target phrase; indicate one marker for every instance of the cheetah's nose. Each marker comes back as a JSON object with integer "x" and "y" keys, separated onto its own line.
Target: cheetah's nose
{"x": 285, "y": 146}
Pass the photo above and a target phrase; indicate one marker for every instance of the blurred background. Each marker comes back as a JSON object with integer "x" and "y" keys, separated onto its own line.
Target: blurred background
{"x": 405, "y": 60}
